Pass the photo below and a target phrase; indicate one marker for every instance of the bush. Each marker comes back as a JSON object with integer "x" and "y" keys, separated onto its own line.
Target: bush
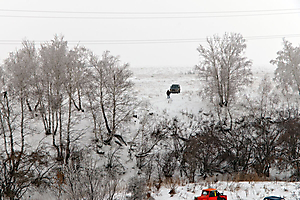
{"x": 137, "y": 188}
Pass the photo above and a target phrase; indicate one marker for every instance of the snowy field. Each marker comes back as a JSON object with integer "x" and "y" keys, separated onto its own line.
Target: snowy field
{"x": 152, "y": 84}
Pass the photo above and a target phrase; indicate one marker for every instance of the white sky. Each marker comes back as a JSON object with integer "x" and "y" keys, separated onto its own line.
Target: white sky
{"x": 132, "y": 25}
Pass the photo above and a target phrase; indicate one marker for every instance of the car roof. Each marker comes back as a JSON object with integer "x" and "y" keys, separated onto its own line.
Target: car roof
{"x": 210, "y": 189}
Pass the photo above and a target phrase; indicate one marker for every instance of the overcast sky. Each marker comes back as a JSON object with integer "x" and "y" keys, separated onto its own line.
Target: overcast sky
{"x": 154, "y": 33}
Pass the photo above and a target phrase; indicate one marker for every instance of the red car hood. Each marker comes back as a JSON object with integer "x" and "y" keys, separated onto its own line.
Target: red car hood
{"x": 202, "y": 197}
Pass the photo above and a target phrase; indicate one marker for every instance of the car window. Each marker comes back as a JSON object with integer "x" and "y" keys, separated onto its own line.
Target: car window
{"x": 212, "y": 194}
{"x": 204, "y": 193}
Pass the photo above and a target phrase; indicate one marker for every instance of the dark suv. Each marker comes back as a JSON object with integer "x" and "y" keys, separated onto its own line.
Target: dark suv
{"x": 175, "y": 88}
{"x": 273, "y": 198}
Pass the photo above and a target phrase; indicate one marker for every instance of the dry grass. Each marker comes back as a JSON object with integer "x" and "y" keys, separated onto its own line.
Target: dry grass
{"x": 251, "y": 177}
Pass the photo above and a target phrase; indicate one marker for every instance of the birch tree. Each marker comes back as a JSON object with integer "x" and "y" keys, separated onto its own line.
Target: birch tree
{"x": 53, "y": 65}
{"x": 112, "y": 102}
{"x": 63, "y": 78}
{"x": 22, "y": 166}
{"x": 21, "y": 71}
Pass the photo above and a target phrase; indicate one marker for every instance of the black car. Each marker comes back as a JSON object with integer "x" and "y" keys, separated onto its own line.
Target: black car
{"x": 175, "y": 88}
{"x": 273, "y": 198}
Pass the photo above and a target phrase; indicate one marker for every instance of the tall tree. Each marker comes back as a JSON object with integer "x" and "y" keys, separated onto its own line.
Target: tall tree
{"x": 112, "y": 101}
{"x": 224, "y": 67}
{"x": 53, "y": 57}
{"x": 287, "y": 72}
{"x": 74, "y": 85}
{"x": 22, "y": 165}
{"x": 64, "y": 77}
{"x": 21, "y": 71}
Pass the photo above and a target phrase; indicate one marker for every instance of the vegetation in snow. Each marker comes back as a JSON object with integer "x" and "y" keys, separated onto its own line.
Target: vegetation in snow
{"x": 73, "y": 126}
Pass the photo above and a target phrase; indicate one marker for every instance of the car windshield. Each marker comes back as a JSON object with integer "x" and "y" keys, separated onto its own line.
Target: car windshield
{"x": 204, "y": 193}
{"x": 175, "y": 86}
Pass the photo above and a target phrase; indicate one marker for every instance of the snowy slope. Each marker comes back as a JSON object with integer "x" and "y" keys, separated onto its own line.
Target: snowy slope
{"x": 152, "y": 84}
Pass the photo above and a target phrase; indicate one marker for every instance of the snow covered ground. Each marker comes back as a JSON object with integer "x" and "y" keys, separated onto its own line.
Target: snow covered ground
{"x": 235, "y": 190}
{"x": 152, "y": 84}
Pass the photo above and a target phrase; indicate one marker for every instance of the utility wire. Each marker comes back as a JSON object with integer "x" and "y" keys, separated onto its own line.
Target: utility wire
{"x": 150, "y": 15}
{"x": 146, "y": 17}
{"x": 151, "y": 41}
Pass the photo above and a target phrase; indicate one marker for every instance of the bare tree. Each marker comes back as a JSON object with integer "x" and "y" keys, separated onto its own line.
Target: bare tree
{"x": 289, "y": 148}
{"x": 53, "y": 68}
{"x": 62, "y": 82}
{"x": 111, "y": 101}
{"x": 74, "y": 85}
{"x": 22, "y": 166}
{"x": 263, "y": 128}
{"x": 52, "y": 84}
{"x": 224, "y": 68}
{"x": 114, "y": 92}
{"x": 84, "y": 177}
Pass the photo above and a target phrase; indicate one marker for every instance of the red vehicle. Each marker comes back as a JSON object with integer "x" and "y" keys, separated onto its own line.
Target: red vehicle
{"x": 211, "y": 194}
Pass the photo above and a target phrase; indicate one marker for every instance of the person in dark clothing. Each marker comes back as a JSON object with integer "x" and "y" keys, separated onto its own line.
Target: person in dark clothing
{"x": 168, "y": 94}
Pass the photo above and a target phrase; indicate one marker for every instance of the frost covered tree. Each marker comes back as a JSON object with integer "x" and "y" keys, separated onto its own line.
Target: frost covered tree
{"x": 62, "y": 82}
{"x": 22, "y": 165}
{"x": 21, "y": 73}
{"x": 53, "y": 58}
{"x": 74, "y": 85}
{"x": 49, "y": 88}
{"x": 287, "y": 72}
{"x": 224, "y": 67}
{"x": 111, "y": 102}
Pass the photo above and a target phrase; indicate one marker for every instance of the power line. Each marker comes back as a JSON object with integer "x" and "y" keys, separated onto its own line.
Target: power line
{"x": 145, "y": 41}
{"x": 271, "y": 36}
{"x": 150, "y": 41}
{"x": 151, "y": 15}
{"x": 145, "y": 17}
{"x": 148, "y": 13}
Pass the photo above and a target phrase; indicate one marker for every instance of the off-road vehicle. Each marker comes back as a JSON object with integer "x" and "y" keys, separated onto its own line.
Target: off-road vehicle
{"x": 175, "y": 88}
{"x": 211, "y": 194}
